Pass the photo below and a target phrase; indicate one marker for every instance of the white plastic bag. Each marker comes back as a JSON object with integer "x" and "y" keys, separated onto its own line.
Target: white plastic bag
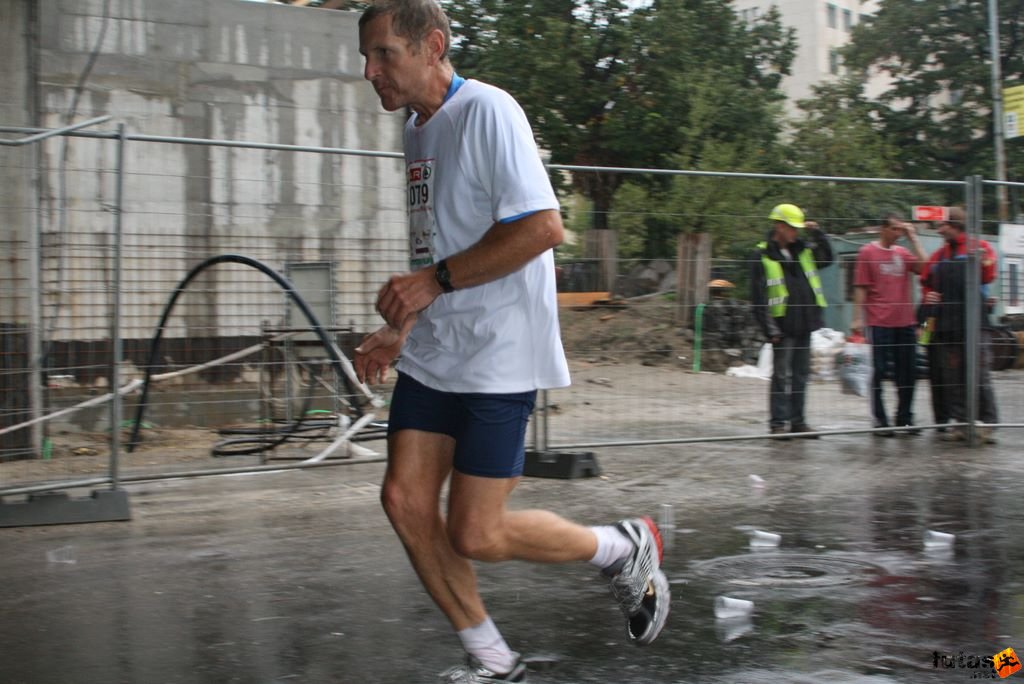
{"x": 854, "y": 362}
{"x": 825, "y": 344}
{"x": 765, "y": 360}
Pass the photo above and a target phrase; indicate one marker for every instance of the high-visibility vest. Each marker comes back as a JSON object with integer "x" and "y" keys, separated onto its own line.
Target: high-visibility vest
{"x": 776, "y": 280}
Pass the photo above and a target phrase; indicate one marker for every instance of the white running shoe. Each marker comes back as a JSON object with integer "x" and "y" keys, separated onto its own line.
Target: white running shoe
{"x": 473, "y": 672}
{"x": 638, "y": 583}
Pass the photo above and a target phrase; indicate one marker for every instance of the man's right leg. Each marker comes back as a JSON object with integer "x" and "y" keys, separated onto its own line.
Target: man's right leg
{"x": 800, "y": 372}
{"x": 419, "y": 463}
{"x": 418, "y": 466}
{"x": 953, "y": 376}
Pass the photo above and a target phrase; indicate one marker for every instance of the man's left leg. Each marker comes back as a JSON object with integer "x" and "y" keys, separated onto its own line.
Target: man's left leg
{"x": 905, "y": 350}
{"x": 488, "y": 462}
{"x": 801, "y": 369}
{"x": 881, "y": 340}
{"x": 987, "y": 411}
{"x": 629, "y": 553}
{"x": 778, "y": 389}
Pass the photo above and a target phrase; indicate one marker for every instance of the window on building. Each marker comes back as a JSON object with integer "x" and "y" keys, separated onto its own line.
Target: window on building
{"x": 847, "y": 20}
{"x": 834, "y": 61}
{"x": 832, "y": 12}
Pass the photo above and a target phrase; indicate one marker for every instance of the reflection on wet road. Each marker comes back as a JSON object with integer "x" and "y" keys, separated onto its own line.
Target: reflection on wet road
{"x": 297, "y": 577}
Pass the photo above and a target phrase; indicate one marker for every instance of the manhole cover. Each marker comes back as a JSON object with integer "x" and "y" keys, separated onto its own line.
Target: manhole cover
{"x": 788, "y": 570}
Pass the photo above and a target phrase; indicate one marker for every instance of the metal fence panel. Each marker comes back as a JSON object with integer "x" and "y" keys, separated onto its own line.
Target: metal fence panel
{"x": 657, "y": 365}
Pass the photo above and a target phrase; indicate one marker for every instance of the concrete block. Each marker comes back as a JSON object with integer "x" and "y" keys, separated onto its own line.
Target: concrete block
{"x": 57, "y": 508}
{"x": 565, "y": 465}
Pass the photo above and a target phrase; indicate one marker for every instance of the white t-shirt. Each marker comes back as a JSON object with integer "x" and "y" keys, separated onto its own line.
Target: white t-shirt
{"x": 474, "y": 163}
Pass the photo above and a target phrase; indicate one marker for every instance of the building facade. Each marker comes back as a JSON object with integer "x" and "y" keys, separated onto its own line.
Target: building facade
{"x": 822, "y": 28}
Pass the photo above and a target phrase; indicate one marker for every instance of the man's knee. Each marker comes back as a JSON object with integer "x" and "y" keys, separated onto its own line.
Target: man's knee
{"x": 406, "y": 505}
{"x": 476, "y": 542}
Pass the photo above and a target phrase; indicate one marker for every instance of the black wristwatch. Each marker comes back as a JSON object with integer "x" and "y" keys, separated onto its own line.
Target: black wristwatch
{"x": 443, "y": 276}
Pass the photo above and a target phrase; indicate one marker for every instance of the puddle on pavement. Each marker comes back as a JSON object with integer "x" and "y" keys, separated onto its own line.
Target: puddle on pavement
{"x": 787, "y": 570}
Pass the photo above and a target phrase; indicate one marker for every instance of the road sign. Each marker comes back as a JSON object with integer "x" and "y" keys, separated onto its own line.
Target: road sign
{"x": 926, "y": 213}
{"x": 1013, "y": 112}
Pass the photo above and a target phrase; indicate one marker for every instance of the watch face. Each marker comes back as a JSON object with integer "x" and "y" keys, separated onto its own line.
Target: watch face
{"x": 442, "y": 276}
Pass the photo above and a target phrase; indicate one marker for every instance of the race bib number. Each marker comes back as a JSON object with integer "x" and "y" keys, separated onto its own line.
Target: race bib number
{"x": 422, "y": 224}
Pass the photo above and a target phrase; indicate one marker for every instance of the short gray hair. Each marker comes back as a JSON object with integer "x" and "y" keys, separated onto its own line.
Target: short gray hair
{"x": 412, "y": 20}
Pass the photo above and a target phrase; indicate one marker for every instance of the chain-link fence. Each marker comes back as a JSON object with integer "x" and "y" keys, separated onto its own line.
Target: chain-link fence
{"x": 662, "y": 349}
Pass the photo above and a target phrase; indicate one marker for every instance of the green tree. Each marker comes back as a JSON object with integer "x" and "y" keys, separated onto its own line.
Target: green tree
{"x": 730, "y": 209}
{"x": 838, "y": 136}
{"x": 607, "y": 85}
{"x": 938, "y": 104}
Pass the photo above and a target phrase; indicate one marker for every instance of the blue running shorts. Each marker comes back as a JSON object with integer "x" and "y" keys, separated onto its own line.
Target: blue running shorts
{"x": 489, "y": 429}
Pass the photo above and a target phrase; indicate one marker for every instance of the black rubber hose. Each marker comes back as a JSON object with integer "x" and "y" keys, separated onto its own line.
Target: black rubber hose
{"x": 241, "y": 446}
{"x": 154, "y": 347}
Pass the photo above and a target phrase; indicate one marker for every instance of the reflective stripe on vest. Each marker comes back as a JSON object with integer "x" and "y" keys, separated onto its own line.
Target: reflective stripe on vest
{"x": 776, "y": 291}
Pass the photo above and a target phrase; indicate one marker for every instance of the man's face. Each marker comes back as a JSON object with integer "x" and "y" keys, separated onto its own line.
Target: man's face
{"x": 892, "y": 231}
{"x": 948, "y": 231}
{"x": 396, "y": 70}
{"x": 785, "y": 234}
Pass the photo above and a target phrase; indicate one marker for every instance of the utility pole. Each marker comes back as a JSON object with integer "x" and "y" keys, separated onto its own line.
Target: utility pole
{"x": 997, "y": 109}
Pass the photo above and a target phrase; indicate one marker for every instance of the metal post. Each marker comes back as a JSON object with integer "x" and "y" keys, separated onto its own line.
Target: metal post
{"x": 698, "y": 334}
{"x": 997, "y": 109}
{"x": 544, "y": 414}
{"x": 535, "y": 430}
{"x": 115, "y": 322}
{"x": 972, "y": 305}
{"x": 35, "y": 305}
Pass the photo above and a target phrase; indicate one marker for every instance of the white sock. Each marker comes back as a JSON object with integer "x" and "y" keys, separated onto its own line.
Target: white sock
{"x": 611, "y": 545}
{"x": 485, "y": 643}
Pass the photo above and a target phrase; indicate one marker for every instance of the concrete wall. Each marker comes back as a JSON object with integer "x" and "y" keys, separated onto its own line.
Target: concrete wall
{"x": 224, "y": 69}
{"x": 16, "y": 163}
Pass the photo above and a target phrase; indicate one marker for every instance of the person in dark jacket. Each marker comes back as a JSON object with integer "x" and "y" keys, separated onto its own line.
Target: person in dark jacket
{"x": 788, "y": 304}
{"x": 945, "y": 280}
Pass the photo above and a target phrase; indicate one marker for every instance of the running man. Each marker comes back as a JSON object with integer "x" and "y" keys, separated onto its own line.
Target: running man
{"x": 476, "y": 324}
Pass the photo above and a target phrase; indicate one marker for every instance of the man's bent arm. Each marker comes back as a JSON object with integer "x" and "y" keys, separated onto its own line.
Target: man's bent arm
{"x": 504, "y": 249}
{"x": 921, "y": 259}
{"x": 859, "y": 297}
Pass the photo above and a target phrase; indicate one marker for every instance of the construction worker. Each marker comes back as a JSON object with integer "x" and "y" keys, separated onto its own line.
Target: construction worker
{"x": 788, "y": 302}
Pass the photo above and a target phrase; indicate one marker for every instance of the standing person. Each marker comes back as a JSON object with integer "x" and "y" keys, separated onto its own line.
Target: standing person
{"x": 946, "y": 280}
{"x": 788, "y": 304}
{"x": 883, "y": 299}
{"x": 476, "y": 324}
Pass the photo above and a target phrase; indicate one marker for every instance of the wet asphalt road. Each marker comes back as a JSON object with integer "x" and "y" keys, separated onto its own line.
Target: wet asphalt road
{"x": 296, "y": 577}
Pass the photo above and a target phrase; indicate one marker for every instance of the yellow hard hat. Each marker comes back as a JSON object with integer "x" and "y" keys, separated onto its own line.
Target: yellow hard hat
{"x": 788, "y": 213}
{"x": 720, "y": 282}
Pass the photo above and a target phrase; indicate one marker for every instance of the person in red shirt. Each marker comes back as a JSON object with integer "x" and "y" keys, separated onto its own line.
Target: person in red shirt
{"x": 945, "y": 278}
{"x": 883, "y": 311}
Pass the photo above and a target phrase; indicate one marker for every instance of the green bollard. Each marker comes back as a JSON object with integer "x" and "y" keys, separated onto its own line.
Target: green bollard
{"x": 698, "y": 326}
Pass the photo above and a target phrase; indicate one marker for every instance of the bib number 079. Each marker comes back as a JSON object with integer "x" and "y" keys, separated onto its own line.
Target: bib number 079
{"x": 419, "y": 194}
